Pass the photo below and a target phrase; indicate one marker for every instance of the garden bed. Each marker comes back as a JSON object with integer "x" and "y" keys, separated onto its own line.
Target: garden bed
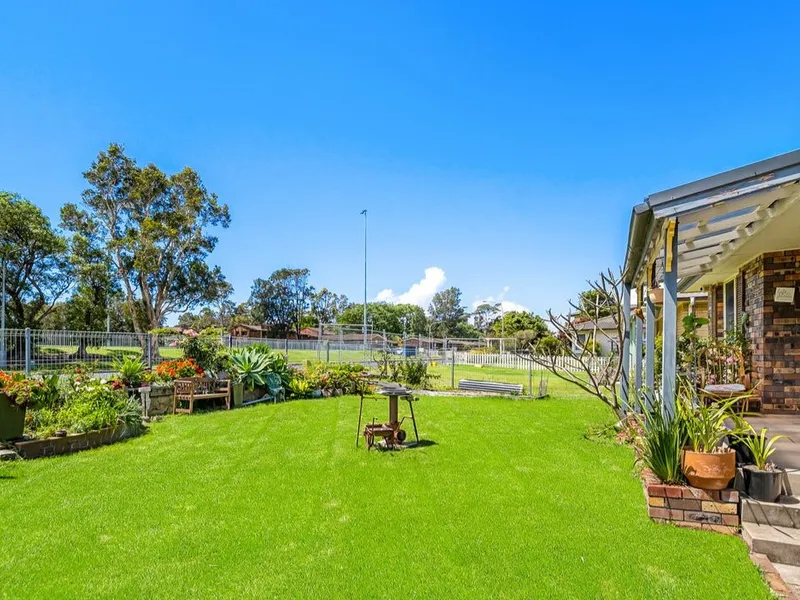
{"x": 74, "y": 442}
{"x": 691, "y": 507}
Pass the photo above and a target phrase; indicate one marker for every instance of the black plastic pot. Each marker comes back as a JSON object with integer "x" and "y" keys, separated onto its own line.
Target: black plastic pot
{"x": 763, "y": 485}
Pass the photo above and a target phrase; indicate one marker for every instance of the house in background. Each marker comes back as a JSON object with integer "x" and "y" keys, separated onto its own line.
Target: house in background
{"x": 248, "y": 331}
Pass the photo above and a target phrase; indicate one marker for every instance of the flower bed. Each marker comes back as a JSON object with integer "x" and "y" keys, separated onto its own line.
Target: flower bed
{"x": 691, "y": 507}
{"x": 74, "y": 442}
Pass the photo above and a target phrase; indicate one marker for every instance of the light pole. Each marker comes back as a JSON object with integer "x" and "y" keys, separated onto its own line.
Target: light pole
{"x": 364, "y": 212}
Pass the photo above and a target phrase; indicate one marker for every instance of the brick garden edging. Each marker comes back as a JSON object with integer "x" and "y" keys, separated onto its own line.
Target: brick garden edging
{"x": 691, "y": 507}
{"x": 72, "y": 442}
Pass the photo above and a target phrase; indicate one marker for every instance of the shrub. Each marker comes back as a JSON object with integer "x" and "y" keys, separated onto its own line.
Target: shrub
{"x": 250, "y": 367}
{"x": 29, "y": 392}
{"x": 89, "y": 405}
{"x": 206, "y": 349}
{"x": 300, "y": 387}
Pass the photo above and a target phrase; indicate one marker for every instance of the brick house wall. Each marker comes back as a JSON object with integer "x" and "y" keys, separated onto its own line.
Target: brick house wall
{"x": 774, "y": 328}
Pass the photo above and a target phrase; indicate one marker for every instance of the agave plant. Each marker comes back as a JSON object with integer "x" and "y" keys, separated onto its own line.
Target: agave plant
{"x": 760, "y": 446}
{"x": 251, "y": 367}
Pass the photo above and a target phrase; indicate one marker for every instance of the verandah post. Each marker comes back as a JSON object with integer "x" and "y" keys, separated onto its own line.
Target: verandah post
{"x": 625, "y": 351}
{"x": 670, "y": 334}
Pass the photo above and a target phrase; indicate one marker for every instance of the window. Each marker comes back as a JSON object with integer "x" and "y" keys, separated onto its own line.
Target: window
{"x": 729, "y": 295}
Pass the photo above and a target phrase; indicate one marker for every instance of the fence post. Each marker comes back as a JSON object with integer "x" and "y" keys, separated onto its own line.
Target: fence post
{"x": 149, "y": 338}
{"x": 453, "y": 371}
{"x": 530, "y": 378}
{"x": 230, "y": 341}
{"x": 327, "y": 351}
{"x": 287, "y": 348}
{"x": 27, "y": 351}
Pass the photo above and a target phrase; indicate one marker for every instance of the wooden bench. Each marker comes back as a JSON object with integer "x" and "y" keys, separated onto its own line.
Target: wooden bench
{"x": 489, "y": 386}
{"x": 192, "y": 389}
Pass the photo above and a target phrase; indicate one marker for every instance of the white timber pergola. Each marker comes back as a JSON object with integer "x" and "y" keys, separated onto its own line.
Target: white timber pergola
{"x": 703, "y": 232}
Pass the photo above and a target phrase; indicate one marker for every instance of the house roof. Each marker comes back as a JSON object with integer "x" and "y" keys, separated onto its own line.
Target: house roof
{"x": 602, "y": 323}
{"x": 246, "y": 326}
{"x": 719, "y": 220}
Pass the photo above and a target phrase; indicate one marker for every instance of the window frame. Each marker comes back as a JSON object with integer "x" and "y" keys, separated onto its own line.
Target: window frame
{"x": 725, "y": 324}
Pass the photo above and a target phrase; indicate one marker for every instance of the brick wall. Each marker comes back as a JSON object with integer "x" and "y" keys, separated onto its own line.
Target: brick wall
{"x": 717, "y": 312}
{"x": 774, "y": 328}
{"x": 691, "y": 507}
{"x": 72, "y": 442}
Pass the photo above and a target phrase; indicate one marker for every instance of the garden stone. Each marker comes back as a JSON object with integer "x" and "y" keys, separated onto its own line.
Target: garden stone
{"x": 6, "y": 454}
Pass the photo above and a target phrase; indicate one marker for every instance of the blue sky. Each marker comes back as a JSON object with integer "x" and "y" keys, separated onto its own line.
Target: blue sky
{"x": 503, "y": 144}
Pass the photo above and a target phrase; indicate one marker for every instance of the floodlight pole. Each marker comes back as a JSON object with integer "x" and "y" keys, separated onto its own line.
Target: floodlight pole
{"x": 3, "y": 319}
{"x": 364, "y": 212}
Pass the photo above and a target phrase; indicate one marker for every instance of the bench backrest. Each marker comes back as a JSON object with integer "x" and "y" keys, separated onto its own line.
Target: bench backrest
{"x": 201, "y": 385}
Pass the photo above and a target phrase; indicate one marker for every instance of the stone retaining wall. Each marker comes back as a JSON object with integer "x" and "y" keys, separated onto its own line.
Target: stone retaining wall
{"x": 691, "y": 507}
{"x": 160, "y": 400}
{"x": 72, "y": 442}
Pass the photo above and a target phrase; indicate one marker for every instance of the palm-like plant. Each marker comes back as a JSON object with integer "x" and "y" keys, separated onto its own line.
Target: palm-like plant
{"x": 131, "y": 370}
{"x": 662, "y": 444}
{"x": 760, "y": 446}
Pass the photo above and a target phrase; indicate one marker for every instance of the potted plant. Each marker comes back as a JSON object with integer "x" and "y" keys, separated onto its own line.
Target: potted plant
{"x": 17, "y": 393}
{"x": 763, "y": 480}
{"x": 708, "y": 463}
{"x": 250, "y": 368}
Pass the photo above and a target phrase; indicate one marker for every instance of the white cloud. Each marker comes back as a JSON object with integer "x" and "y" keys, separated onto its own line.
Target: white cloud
{"x": 508, "y": 305}
{"x": 420, "y": 293}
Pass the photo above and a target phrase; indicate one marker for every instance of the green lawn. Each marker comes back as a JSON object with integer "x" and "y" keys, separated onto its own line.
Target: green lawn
{"x": 509, "y": 500}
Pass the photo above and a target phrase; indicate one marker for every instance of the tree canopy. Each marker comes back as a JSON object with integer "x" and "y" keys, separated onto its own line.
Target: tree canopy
{"x": 384, "y": 316}
{"x": 448, "y": 315}
{"x": 153, "y": 229}
{"x": 281, "y": 300}
{"x": 38, "y": 273}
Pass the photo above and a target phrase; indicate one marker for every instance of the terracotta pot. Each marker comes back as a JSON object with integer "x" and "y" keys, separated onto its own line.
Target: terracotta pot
{"x": 709, "y": 471}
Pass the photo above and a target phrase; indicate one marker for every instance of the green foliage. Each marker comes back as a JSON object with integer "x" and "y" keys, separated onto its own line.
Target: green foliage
{"x": 387, "y": 317}
{"x": 448, "y": 315}
{"x": 662, "y": 444}
{"x": 206, "y": 349}
{"x": 550, "y": 345}
{"x": 251, "y": 367}
{"x": 706, "y": 425}
{"x": 342, "y": 378}
{"x": 152, "y": 228}
{"x": 760, "y": 446}
{"x": 413, "y": 372}
{"x": 300, "y": 387}
{"x": 29, "y": 392}
{"x": 131, "y": 370}
{"x": 89, "y": 404}
{"x": 38, "y": 272}
{"x": 517, "y": 321}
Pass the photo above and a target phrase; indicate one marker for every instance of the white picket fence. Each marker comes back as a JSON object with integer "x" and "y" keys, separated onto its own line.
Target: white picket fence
{"x": 512, "y": 361}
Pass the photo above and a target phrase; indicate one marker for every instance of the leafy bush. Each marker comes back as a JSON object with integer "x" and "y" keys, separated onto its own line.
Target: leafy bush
{"x": 345, "y": 378}
{"x": 415, "y": 373}
{"x": 173, "y": 369}
{"x": 485, "y": 350}
{"x": 206, "y": 349}
{"x": 131, "y": 370}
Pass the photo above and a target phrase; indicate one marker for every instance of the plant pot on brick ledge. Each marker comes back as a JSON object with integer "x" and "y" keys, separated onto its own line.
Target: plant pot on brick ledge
{"x": 709, "y": 470}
